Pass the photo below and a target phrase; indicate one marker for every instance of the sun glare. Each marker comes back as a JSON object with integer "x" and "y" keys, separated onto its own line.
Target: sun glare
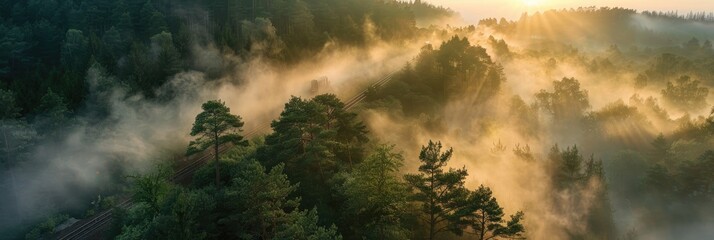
{"x": 532, "y": 3}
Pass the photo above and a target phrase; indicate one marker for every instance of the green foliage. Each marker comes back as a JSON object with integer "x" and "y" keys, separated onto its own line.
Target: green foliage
{"x": 376, "y": 199}
{"x": 582, "y": 180}
{"x": 165, "y": 56}
{"x": 696, "y": 180}
{"x": 49, "y": 43}
{"x": 662, "y": 149}
{"x": 314, "y": 131}
{"x": 668, "y": 66}
{"x": 229, "y": 164}
{"x": 254, "y": 204}
{"x": 524, "y": 117}
{"x": 180, "y": 216}
{"x": 75, "y": 51}
{"x": 262, "y": 206}
{"x": 315, "y": 139}
{"x": 263, "y": 201}
{"x": 686, "y": 94}
{"x": 15, "y": 47}
{"x": 597, "y": 24}
{"x": 215, "y": 126}
{"x": 485, "y": 217}
{"x": 46, "y": 227}
{"x": 500, "y": 47}
{"x": 568, "y": 166}
{"x": 627, "y": 170}
{"x": 457, "y": 69}
{"x": 305, "y": 227}
{"x": 566, "y": 102}
{"x": 52, "y": 114}
{"x": 8, "y": 108}
{"x": 689, "y": 181}
{"x": 151, "y": 188}
{"x": 442, "y": 194}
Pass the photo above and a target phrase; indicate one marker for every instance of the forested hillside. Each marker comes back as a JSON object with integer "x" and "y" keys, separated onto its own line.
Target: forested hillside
{"x": 353, "y": 119}
{"x": 66, "y": 65}
{"x": 49, "y": 44}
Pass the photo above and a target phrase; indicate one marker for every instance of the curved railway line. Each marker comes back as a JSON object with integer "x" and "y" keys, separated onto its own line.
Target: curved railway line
{"x": 92, "y": 227}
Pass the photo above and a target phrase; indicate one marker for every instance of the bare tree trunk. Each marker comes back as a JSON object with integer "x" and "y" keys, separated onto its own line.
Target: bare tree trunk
{"x": 253, "y": 15}
{"x": 432, "y": 226}
{"x": 13, "y": 180}
{"x": 432, "y": 217}
{"x": 483, "y": 225}
{"x": 215, "y": 161}
{"x": 349, "y": 152}
{"x": 322, "y": 174}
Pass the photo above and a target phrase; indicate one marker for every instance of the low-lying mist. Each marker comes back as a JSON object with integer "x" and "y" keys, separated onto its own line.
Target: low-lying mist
{"x": 513, "y": 99}
{"x": 94, "y": 155}
{"x": 506, "y": 141}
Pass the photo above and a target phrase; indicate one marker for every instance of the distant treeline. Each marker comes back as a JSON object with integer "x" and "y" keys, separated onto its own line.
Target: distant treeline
{"x": 592, "y": 25}
{"x": 691, "y": 16}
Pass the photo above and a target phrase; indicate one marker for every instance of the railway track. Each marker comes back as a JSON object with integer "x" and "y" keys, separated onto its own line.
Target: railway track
{"x": 92, "y": 227}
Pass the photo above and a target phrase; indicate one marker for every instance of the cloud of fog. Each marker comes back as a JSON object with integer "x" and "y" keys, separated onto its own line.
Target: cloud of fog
{"x": 685, "y": 30}
{"x": 137, "y": 132}
{"x": 477, "y": 135}
{"x": 478, "y": 131}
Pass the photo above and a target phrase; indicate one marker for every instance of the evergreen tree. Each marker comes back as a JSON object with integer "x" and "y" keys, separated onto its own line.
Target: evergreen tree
{"x": 662, "y": 149}
{"x": 441, "y": 193}
{"x": 114, "y": 43}
{"x": 304, "y": 226}
{"x": 261, "y": 201}
{"x": 52, "y": 113}
{"x": 215, "y": 126}
{"x": 375, "y": 197}
{"x": 262, "y": 206}
{"x": 75, "y": 51}
{"x": 485, "y": 217}
{"x": 165, "y": 211}
{"x": 567, "y": 166}
{"x": 8, "y": 107}
{"x": 166, "y": 58}
{"x": 315, "y": 139}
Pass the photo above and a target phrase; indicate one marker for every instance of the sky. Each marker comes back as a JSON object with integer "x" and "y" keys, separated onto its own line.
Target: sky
{"x": 473, "y": 10}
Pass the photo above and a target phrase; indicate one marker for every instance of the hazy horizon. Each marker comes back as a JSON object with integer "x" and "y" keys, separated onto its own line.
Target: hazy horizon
{"x": 474, "y": 10}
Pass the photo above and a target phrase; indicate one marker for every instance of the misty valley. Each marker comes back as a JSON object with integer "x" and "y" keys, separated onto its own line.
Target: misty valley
{"x": 355, "y": 119}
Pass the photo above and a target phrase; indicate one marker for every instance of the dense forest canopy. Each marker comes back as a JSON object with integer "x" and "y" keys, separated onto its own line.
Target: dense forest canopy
{"x": 353, "y": 119}
{"x": 51, "y": 44}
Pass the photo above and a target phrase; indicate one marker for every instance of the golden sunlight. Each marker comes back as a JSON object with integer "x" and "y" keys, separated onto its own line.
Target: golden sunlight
{"x": 532, "y": 3}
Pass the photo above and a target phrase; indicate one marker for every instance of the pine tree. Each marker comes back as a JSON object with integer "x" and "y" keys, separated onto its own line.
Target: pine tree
{"x": 215, "y": 126}
{"x": 485, "y": 217}
{"x": 52, "y": 113}
{"x": 441, "y": 193}
{"x": 375, "y": 197}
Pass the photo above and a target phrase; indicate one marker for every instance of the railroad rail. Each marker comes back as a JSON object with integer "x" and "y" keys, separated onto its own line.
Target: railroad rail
{"x": 91, "y": 227}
